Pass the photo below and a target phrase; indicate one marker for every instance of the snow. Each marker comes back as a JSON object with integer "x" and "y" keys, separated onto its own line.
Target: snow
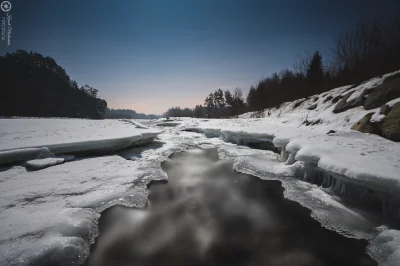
{"x": 393, "y": 102}
{"x": 135, "y": 123}
{"x": 377, "y": 117}
{"x": 40, "y": 163}
{"x": 368, "y": 159}
{"x": 359, "y": 90}
{"x": 368, "y": 85}
{"x": 53, "y": 199}
{"x": 21, "y": 139}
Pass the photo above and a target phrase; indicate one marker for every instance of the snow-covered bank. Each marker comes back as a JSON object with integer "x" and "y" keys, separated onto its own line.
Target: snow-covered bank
{"x": 24, "y": 139}
{"x": 49, "y": 217}
{"x": 366, "y": 160}
{"x": 314, "y": 167}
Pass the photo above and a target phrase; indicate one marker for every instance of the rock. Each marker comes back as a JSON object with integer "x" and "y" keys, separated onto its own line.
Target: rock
{"x": 312, "y": 107}
{"x": 331, "y": 132}
{"x": 387, "y": 91}
{"x": 344, "y": 104}
{"x": 316, "y": 122}
{"x": 366, "y": 126}
{"x": 337, "y": 98}
{"x": 385, "y": 109}
{"x": 328, "y": 99}
{"x": 298, "y": 103}
{"x": 391, "y": 124}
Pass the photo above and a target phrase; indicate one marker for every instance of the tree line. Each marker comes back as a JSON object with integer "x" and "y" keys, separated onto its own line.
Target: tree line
{"x": 217, "y": 104}
{"x": 368, "y": 50}
{"x": 127, "y": 114}
{"x": 199, "y": 112}
{"x": 34, "y": 85}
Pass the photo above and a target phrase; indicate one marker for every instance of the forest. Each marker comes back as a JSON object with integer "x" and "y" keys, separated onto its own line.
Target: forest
{"x": 33, "y": 85}
{"x": 127, "y": 114}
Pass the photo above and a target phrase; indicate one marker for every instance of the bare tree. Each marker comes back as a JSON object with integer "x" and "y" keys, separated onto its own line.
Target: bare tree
{"x": 302, "y": 63}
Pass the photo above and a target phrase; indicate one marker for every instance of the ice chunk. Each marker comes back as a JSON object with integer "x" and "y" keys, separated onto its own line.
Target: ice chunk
{"x": 263, "y": 166}
{"x": 233, "y": 151}
{"x": 43, "y": 163}
{"x": 385, "y": 247}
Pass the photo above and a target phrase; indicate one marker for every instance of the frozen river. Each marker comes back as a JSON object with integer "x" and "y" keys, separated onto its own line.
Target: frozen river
{"x": 208, "y": 214}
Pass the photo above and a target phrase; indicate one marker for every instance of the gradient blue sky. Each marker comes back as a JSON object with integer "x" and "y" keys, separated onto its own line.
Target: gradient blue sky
{"x": 149, "y": 55}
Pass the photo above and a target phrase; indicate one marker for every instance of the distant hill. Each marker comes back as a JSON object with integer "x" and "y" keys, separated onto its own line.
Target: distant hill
{"x": 36, "y": 86}
{"x": 127, "y": 113}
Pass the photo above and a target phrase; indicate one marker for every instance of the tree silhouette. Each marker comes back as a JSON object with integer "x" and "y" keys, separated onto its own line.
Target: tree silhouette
{"x": 315, "y": 73}
{"x": 36, "y": 86}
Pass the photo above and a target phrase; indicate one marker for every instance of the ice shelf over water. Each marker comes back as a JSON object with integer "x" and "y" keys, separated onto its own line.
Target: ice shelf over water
{"x": 23, "y": 139}
{"x": 49, "y": 216}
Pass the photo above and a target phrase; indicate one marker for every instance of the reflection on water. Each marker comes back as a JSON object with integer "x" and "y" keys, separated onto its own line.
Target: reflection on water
{"x": 208, "y": 214}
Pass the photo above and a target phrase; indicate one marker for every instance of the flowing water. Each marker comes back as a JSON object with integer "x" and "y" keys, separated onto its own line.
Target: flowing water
{"x": 207, "y": 214}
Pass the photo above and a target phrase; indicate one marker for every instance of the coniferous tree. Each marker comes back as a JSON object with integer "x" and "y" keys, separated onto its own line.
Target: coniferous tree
{"x": 200, "y": 112}
{"x": 251, "y": 98}
{"x": 315, "y": 73}
{"x": 209, "y": 103}
{"x": 219, "y": 101}
{"x": 238, "y": 103}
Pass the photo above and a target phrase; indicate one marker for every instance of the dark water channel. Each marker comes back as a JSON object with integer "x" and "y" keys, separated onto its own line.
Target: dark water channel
{"x": 208, "y": 214}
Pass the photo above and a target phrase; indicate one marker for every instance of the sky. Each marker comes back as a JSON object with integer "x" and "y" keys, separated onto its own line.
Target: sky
{"x": 149, "y": 55}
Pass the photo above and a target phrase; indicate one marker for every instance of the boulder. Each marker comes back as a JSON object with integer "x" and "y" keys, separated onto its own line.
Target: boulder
{"x": 385, "y": 109}
{"x": 366, "y": 126}
{"x": 337, "y": 98}
{"x": 344, "y": 105}
{"x": 391, "y": 124}
{"x": 387, "y": 91}
{"x": 298, "y": 103}
{"x": 312, "y": 107}
{"x": 328, "y": 99}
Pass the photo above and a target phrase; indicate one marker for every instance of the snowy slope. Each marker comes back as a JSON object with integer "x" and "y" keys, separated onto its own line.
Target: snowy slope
{"x": 321, "y": 118}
